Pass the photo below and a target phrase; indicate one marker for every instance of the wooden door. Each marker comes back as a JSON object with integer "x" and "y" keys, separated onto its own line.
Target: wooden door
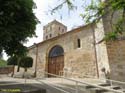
{"x": 55, "y": 64}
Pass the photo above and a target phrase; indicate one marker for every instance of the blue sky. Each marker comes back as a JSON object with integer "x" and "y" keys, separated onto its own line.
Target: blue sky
{"x": 71, "y": 19}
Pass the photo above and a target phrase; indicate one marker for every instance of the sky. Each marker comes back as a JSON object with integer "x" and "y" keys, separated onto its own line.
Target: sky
{"x": 71, "y": 19}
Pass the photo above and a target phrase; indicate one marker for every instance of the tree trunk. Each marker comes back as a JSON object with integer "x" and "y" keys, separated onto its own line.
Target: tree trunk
{"x": 13, "y": 70}
{"x": 25, "y": 69}
{"x": 18, "y": 69}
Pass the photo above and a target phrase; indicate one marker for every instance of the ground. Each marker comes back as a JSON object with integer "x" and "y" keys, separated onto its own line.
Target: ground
{"x": 56, "y": 85}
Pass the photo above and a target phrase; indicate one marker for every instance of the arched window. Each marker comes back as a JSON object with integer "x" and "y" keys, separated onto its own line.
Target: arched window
{"x": 56, "y": 51}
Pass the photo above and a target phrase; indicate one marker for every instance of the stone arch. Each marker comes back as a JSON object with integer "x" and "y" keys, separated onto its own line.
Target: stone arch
{"x": 56, "y": 51}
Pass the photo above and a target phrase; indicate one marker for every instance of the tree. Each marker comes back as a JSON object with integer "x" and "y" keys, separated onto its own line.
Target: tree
{"x": 17, "y": 23}
{"x": 12, "y": 61}
{"x": 1, "y": 55}
{"x": 26, "y": 62}
{"x": 97, "y": 9}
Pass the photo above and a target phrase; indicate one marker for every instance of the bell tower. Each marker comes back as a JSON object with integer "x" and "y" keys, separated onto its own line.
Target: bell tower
{"x": 53, "y": 29}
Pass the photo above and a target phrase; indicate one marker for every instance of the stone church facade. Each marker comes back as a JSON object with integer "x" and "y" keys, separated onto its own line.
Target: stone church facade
{"x": 79, "y": 52}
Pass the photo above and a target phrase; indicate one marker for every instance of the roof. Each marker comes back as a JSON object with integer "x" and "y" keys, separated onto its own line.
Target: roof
{"x": 54, "y": 21}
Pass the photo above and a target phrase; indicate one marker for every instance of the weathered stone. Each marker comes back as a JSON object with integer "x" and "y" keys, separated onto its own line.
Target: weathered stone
{"x": 88, "y": 59}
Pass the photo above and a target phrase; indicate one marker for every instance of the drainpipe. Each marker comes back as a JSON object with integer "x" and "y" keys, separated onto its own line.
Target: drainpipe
{"x": 35, "y": 73}
{"x": 96, "y": 62}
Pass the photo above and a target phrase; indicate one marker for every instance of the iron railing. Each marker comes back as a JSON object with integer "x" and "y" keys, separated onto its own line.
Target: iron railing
{"x": 84, "y": 83}
{"x": 112, "y": 82}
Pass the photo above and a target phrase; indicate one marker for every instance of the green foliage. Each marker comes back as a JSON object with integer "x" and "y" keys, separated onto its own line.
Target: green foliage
{"x": 17, "y": 23}
{"x": 100, "y": 9}
{"x": 111, "y": 36}
{"x": 26, "y": 62}
{"x": 67, "y": 2}
{"x": 117, "y": 4}
{"x": 3, "y": 63}
{"x": 12, "y": 61}
{"x": 1, "y": 55}
{"x": 97, "y": 9}
{"x": 119, "y": 26}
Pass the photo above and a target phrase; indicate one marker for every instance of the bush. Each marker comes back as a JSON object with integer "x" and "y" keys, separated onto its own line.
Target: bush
{"x": 12, "y": 61}
{"x": 26, "y": 62}
{"x": 3, "y": 63}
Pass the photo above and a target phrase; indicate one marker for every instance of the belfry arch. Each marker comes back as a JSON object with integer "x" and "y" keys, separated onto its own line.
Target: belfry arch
{"x": 56, "y": 60}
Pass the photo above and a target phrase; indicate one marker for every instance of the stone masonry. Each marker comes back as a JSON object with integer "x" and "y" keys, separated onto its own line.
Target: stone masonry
{"x": 88, "y": 59}
{"x": 76, "y": 60}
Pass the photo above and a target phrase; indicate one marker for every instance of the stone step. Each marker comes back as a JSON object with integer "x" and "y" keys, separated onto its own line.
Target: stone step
{"x": 96, "y": 90}
{"x": 80, "y": 86}
{"x": 113, "y": 87}
{"x": 114, "y": 92}
{"x": 122, "y": 90}
{"x": 108, "y": 92}
{"x": 88, "y": 86}
{"x": 104, "y": 84}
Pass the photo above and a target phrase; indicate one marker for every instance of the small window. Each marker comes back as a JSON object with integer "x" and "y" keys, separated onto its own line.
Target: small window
{"x": 46, "y": 37}
{"x": 59, "y": 28}
{"x": 50, "y": 35}
{"x": 78, "y": 43}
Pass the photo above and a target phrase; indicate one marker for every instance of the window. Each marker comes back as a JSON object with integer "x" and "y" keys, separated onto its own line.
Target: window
{"x": 78, "y": 43}
{"x": 46, "y": 37}
{"x": 59, "y": 28}
{"x": 62, "y": 30}
{"x": 50, "y": 35}
{"x": 56, "y": 51}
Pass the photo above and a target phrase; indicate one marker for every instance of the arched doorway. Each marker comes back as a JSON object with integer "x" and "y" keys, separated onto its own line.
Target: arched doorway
{"x": 56, "y": 60}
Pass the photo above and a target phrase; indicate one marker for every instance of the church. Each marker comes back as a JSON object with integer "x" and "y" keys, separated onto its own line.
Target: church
{"x": 80, "y": 52}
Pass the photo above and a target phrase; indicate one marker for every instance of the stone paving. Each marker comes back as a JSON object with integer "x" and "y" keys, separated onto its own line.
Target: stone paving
{"x": 44, "y": 83}
{"x": 52, "y": 85}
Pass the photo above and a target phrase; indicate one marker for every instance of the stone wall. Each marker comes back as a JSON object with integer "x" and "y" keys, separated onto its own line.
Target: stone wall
{"x": 6, "y": 70}
{"x": 116, "y": 55}
{"x": 76, "y": 60}
{"x": 101, "y": 49}
{"x": 115, "y": 49}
